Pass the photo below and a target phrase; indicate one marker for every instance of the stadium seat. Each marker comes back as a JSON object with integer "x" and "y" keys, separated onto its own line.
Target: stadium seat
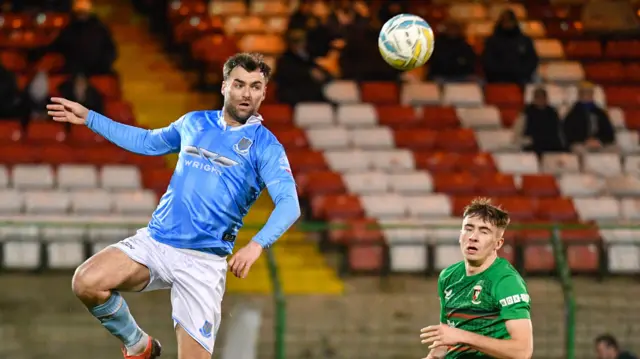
{"x": 560, "y": 163}
{"x": 347, "y": 160}
{"x": 486, "y": 117}
{"x": 503, "y": 95}
{"x": 500, "y": 140}
{"x": 11, "y": 202}
{"x": 382, "y": 93}
{"x": 623, "y": 96}
{"x": 632, "y": 165}
{"x": 356, "y": 115}
{"x": 277, "y": 115}
{"x": 517, "y": 163}
{"x": 365, "y": 257}
{"x": 408, "y": 258}
{"x": 342, "y": 92}
{"x": 460, "y": 140}
{"x": 65, "y": 255}
{"x": 392, "y": 160}
{"x": 366, "y": 183}
{"x": 372, "y": 138}
{"x": 630, "y": 208}
{"x": 583, "y": 49}
{"x": 455, "y": 183}
{"x": 520, "y": 208}
{"x": 420, "y": 94}
{"x": 539, "y": 185}
{"x": 328, "y": 138}
{"x": 120, "y": 178}
{"x": 384, "y": 206}
{"x": 397, "y": 116}
{"x": 437, "y": 162}
{"x": 605, "y": 72}
{"x": 47, "y": 202}
{"x": 549, "y": 49}
{"x": 462, "y": 95}
{"x": 628, "y": 141}
{"x": 467, "y": 12}
{"x": 292, "y": 139}
{"x": 623, "y": 185}
{"x": 580, "y": 185}
{"x": 428, "y": 206}
{"x": 602, "y": 164}
{"x": 539, "y": 258}
{"x": 21, "y": 255}
{"x": 32, "y": 177}
{"x": 322, "y": 183}
{"x": 306, "y": 161}
{"x": 440, "y": 117}
{"x": 480, "y": 162}
{"x": 597, "y": 208}
{"x": 10, "y": 131}
{"x": 497, "y": 184}
{"x": 4, "y": 177}
{"x": 91, "y": 202}
{"x": 337, "y": 207}
{"x": 446, "y": 255}
{"x": 415, "y": 139}
{"x": 45, "y": 132}
{"x": 556, "y": 209}
{"x": 102, "y": 155}
{"x": 413, "y": 183}
{"x": 583, "y": 258}
{"x": 76, "y": 177}
{"x": 310, "y": 115}
{"x": 141, "y": 203}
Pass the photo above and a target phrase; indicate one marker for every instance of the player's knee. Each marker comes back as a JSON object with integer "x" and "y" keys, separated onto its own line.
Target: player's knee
{"x": 85, "y": 284}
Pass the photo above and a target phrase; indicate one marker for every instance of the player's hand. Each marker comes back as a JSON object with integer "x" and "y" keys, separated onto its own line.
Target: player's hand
{"x": 440, "y": 336}
{"x": 63, "y": 110}
{"x": 241, "y": 262}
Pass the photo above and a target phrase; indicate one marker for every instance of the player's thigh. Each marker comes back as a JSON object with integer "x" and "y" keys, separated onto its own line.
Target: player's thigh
{"x": 188, "y": 347}
{"x": 196, "y": 295}
{"x": 110, "y": 269}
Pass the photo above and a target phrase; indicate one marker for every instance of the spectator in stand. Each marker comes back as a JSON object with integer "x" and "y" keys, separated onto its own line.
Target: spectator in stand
{"x": 347, "y": 17}
{"x": 77, "y": 88}
{"x": 509, "y": 55}
{"x": 85, "y": 43}
{"x": 453, "y": 58}
{"x": 607, "y": 347}
{"x": 299, "y": 19}
{"x": 538, "y": 128}
{"x": 10, "y": 94}
{"x": 391, "y": 8}
{"x": 36, "y": 98}
{"x": 301, "y": 79}
{"x": 587, "y": 126}
{"x": 313, "y": 17}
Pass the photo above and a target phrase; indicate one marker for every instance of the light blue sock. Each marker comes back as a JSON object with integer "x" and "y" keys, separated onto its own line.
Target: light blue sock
{"x": 115, "y": 316}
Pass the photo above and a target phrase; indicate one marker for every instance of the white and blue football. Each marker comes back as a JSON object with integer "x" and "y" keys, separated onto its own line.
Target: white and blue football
{"x": 406, "y": 41}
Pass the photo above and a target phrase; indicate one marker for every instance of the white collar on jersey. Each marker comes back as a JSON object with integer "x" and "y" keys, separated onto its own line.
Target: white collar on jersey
{"x": 253, "y": 120}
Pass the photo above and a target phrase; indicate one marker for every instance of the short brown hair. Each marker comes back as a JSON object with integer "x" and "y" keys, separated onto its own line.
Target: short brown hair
{"x": 248, "y": 61}
{"x": 485, "y": 210}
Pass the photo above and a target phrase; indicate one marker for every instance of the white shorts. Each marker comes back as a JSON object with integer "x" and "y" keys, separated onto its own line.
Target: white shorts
{"x": 196, "y": 279}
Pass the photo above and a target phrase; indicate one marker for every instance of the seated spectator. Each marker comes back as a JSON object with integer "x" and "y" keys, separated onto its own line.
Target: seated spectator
{"x": 538, "y": 128}
{"x": 587, "y": 126}
{"x": 453, "y": 58}
{"x": 10, "y": 94}
{"x": 509, "y": 55}
{"x": 607, "y": 348}
{"x": 319, "y": 36}
{"x": 391, "y": 8}
{"x": 299, "y": 19}
{"x": 85, "y": 43}
{"x": 77, "y": 88}
{"x": 347, "y": 17}
{"x": 300, "y": 80}
{"x": 37, "y": 97}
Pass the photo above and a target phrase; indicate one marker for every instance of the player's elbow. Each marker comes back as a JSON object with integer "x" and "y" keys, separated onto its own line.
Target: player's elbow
{"x": 524, "y": 352}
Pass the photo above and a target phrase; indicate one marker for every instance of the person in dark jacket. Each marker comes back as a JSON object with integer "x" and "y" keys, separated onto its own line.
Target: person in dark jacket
{"x": 538, "y": 129}
{"x": 587, "y": 126}
{"x": 453, "y": 58}
{"x": 509, "y": 55}
{"x": 607, "y": 347}
{"x": 77, "y": 88}
{"x": 86, "y": 43}
{"x": 298, "y": 77}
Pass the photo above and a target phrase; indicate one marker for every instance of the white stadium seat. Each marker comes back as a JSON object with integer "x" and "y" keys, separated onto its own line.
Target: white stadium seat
{"x": 624, "y": 185}
{"x": 32, "y": 177}
{"x": 580, "y": 185}
{"x": 312, "y": 115}
{"x": 120, "y": 177}
{"x": 483, "y": 117}
{"x": 384, "y": 206}
{"x": 65, "y": 255}
{"x": 533, "y": 29}
{"x": 602, "y": 164}
{"x": 556, "y": 95}
{"x": 562, "y": 72}
{"x": 428, "y": 206}
{"x": 75, "y": 177}
{"x": 598, "y": 96}
{"x": 597, "y": 208}
{"x": 559, "y": 163}
{"x": 632, "y": 165}
{"x": 357, "y": 115}
{"x": 419, "y": 182}
{"x": 366, "y": 182}
{"x": 344, "y": 161}
{"x": 47, "y": 202}
{"x": 21, "y": 254}
{"x": 628, "y": 141}
{"x": 342, "y": 91}
{"x": 517, "y": 163}
{"x": 4, "y": 177}
{"x": 372, "y": 138}
{"x": 500, "y": 140}
{"x": 392, "y": 160}
{"x": 549, "y": 49}
{"x": 616, "y": 116}
{"x": 630, "y": 208}
{"x": 329, "y": 138}
{"x": 11, "y": 202}
{"x": 420, "y": 94}
{"x": 90, "y": 203}
{"x": 463, "y": 95}
{"x": 141, "y": 202}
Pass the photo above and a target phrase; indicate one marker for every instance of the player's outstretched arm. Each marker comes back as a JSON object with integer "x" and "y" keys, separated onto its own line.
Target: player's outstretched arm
{"x": 133, "y": 139}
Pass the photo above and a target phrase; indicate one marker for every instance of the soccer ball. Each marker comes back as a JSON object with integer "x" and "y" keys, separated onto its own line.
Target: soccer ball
{"x": 406, "y": 41}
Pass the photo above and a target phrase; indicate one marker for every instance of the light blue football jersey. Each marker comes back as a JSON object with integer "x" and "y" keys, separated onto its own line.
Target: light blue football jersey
{"x": 220, "y": 173}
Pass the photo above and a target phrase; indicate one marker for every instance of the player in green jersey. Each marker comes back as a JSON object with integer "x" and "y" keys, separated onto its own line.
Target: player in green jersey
{"x": 484, "y": 303}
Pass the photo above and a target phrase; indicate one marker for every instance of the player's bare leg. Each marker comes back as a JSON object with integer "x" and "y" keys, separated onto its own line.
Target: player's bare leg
{"x": 96, "y": 283}
{"x": 188, "y": 348}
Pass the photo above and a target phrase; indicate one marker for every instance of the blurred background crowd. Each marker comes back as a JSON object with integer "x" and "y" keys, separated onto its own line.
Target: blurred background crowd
{"x": 533, "y": 103}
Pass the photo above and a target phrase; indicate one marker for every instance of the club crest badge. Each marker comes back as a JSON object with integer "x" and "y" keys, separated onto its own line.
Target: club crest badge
{"x": 243, "y": 146}
{"x": 476, "y": 294}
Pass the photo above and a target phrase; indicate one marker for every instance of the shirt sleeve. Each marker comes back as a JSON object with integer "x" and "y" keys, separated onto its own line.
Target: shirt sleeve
{"x": 275, "y": 172}
{"x": 513, "y": 298}
{"x": 137, "y": 140}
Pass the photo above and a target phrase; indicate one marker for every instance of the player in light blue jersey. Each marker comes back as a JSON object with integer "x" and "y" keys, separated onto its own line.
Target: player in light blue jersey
{"x": 226, "y": 159}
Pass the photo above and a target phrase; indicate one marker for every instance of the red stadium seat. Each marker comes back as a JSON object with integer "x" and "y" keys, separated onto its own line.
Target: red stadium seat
{"x": 102, "y": 155}
{"x": 539, "y": 186}
{"x": 459, "y": 202}
{"x": 539, "y": 258}
{"x": 157, "y": 179}
{"x": 120, "y": 111}
{"x": 322, "y": 183}
{"x": 583, "y": 258}
{"x": 623, "y": 96}
{"x": 496, "y": 184}
{"x": 436, "y": 162}
{"x": 480, "y": 162}
{"x": 416, "y": 139}
{"x": 13, "y": 61}
{"x": 503, "y": 95}
{"x": 107, "y": 85}
{"x": 10, "y": 131}
{"x": 556, "y": 209}
{"x": 583, "y": 49}
{"x": 397, "y": 116}
{"x": 519, "y": 208}
{"x": 19, "y": 153}
{"x": 356, "y": 230}
{"x": 622, "y": 49}
{"x": 306, "y": 161}
{"x": 365, "y": 258}
{"x": 509, "y": 116}
{"x": 455, "y": 183}
{"x": 439, "y": 118}
{"x": 277, "y": 115}
{"x": 460, "y": 140}
{"x": 59, "y": 154}
{"x": 343, "y": 206}
{"x": 605, "y": 72}
{"x": 45, "y": 132}
{"x": 145, "y": 162}
{"x": 632, "y": 119}
{"x": 383, "y": 93}
{"x": 83, "y": 136}
{"x": 292, "y": 138}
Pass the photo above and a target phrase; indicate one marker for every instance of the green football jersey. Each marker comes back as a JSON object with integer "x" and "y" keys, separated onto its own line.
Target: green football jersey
{"x": 482, "y": 303}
